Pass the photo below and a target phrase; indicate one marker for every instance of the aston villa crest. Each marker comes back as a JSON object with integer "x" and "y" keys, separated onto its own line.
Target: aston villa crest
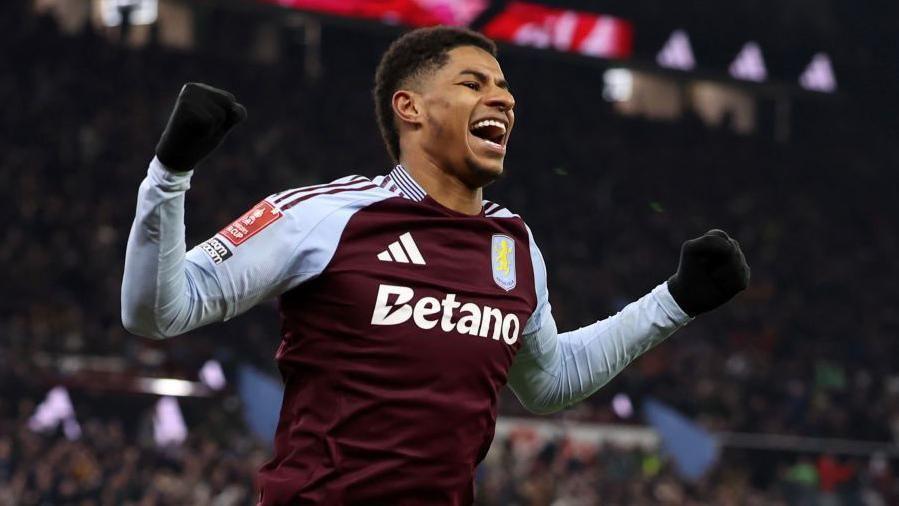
{"x": 503, "y": 258}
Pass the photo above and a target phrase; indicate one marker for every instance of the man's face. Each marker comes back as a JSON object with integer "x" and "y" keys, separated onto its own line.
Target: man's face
{"x": 467, "y": 109}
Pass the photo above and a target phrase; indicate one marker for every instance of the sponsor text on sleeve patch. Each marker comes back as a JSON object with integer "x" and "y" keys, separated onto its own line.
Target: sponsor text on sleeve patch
{"x": 251, "y": 223}
{"x": 216, "y": 250}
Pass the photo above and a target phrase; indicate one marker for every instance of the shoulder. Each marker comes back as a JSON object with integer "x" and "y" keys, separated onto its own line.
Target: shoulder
{"x": 298, "y": 214}
{"x": 495, "y": 210}
{"x": 309, "y": 219}
{"x": 317, "y": 202}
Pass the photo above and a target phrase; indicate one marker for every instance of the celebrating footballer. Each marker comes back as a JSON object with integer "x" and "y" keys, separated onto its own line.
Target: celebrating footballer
{"x": 407, "y": 301}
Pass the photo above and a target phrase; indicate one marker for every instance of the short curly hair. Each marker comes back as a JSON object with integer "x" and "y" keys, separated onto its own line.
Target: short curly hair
{"x": 408, "y": 57}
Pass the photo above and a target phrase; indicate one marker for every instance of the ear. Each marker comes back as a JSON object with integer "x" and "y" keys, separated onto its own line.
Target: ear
{"x": 407, "y": 106}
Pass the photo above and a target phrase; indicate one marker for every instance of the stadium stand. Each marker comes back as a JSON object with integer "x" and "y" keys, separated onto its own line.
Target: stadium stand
{"x": 808, "y": 350}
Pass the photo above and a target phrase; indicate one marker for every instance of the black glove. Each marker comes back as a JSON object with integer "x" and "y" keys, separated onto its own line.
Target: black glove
{"x": 712, "y": 270}
{"x": 202, "y": 117}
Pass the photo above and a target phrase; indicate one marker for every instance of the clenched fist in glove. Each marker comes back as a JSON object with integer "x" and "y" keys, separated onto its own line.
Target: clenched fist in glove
{"x": 202, "y": 117}
{"x": 712, "y": 270}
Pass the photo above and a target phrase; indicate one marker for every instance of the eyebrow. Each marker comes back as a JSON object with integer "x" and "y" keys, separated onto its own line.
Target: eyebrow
{"x": 482, "y": 77}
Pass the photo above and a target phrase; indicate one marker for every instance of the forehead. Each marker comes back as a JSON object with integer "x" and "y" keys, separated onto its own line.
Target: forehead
{"x": 471, "y": 58}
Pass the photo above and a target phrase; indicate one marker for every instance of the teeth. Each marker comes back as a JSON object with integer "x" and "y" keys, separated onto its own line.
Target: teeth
{"x": 489, "y": 122}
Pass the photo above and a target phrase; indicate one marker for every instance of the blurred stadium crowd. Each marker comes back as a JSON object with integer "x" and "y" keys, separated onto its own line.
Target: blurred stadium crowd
{"x": 807, "y": 350}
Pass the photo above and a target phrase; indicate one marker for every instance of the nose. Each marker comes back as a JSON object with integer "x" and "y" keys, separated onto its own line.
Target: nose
{"x": 502, "y": 99}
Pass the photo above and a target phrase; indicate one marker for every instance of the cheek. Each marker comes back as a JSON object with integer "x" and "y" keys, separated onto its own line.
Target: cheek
{"x": 443, "y": 119}
{"x": 447, "y": 113}
{"x": 435, "y": 124}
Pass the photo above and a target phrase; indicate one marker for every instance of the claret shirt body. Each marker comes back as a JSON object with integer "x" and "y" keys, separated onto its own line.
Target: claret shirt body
{"x": 394, "y": 352}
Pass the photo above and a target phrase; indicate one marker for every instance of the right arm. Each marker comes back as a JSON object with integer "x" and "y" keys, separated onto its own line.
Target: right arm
{"x": 168, "y": 291}
{"x": 165, "y": 290}
{"x": 157, "y": 298}
{"x": 265, "y": 252}
{"x": 162, "y": 295}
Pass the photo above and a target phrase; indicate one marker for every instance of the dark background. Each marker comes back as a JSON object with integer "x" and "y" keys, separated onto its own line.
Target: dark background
{"x": 808, "y": 350}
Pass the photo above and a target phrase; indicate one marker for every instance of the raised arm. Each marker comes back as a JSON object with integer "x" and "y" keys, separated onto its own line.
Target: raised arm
{"x": 166, "y": 291}
{"x": 161, "y": 293}
{"x": 278, "y": 244}
{"x": 553, "y": 371}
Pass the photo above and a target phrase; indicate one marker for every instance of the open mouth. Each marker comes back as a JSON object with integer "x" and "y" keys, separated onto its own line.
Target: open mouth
{"x": 492, "y": 132}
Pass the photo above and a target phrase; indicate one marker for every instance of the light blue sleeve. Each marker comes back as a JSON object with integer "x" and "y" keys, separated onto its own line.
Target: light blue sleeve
{"x": 167, "y": 291}
{"x": 552, "y": 371}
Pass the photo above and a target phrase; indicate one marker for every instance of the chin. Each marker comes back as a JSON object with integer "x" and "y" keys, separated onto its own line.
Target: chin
{"x": 484, "y": 172}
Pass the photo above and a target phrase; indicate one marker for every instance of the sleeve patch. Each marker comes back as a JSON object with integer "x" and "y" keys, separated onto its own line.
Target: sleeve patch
{"x": 216, "y": 250}
{"x": 251, "y": 223}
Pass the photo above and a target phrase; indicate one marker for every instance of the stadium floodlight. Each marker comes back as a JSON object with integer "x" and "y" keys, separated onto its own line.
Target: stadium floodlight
{"x": 818, "y": 75}
{"x": 140, "y": 12}
{"x": 168, "y": 423}
{"x": 749, "y": 65}
{"x": 677, "y": 53}
{"x": 619, "y": 85}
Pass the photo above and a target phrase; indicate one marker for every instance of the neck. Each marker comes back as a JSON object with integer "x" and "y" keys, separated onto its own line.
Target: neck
{"x": 442, "y": 186}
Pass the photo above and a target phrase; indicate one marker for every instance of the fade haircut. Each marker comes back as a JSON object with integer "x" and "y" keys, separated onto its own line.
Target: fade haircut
{"x": 409, "y": 57}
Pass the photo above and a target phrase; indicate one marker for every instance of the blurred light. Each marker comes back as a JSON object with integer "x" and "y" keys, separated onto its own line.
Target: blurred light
{"x": 819, "y": 76}
{"x": 168, "y": 386}
{"x": 454, "y": 12}
{"x": 168, "y": 423}
{"x": 71, "y": 428}
{"x": 749, "y": 65}
{"x": 621, "y": 405}
{"x": 531, "y": 24}
{"x": 57, "y": 408}
{"x": 619, "y": 85}
{"x": 677, "y": 53}
{"x": 212, "y": 375}
{"x": 143, "y": 12}
{"x": 396, "y": 12}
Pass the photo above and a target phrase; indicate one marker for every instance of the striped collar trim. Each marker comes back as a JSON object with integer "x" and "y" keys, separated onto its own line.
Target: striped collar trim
{"x": 405, "y": 185}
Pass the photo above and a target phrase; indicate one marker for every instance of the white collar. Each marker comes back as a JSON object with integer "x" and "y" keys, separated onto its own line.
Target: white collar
{"x": 400, "y": 181}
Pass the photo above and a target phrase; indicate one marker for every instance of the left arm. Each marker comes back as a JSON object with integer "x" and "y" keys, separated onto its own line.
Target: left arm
{"x": 552, "y": 370}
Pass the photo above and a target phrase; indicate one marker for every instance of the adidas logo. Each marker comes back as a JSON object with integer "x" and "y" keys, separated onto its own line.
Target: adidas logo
{"x": 402, "y": 251}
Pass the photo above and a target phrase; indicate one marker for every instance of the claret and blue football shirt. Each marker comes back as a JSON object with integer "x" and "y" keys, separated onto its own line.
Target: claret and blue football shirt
{"x": 401, "y": 320}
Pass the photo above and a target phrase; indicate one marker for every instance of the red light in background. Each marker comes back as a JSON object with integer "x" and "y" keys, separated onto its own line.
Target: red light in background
{"x": 405, "y": 12}
{"x": 528, "y": 24}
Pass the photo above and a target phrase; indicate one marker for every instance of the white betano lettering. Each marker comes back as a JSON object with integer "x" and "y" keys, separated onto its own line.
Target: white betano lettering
{"x": 449, "y": 307}
{"x": 491, "y": 314}
{"x": 473, "y": 319}
{"x": 423, "y": 308}
{"x": 510, "y": 336}
{"x": 381, "y": 314}
{"x": 471, "y": 322}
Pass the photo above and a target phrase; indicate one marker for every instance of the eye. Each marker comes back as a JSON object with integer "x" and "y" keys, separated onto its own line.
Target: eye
{"x": 473, "y": 85}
